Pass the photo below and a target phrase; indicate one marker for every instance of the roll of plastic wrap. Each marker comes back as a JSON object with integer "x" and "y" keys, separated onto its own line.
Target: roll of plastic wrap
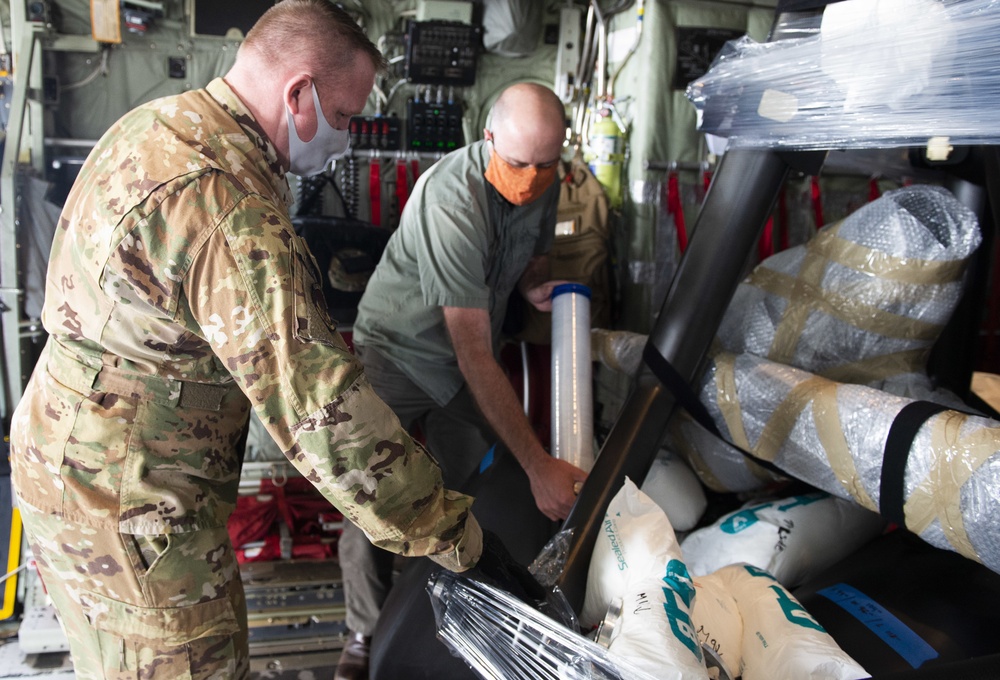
{"x": 572, "y": 391}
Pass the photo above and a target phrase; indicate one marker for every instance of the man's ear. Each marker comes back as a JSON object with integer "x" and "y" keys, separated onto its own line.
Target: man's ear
{"x": 487, "y": 135}
{"x": 293, "y": 93}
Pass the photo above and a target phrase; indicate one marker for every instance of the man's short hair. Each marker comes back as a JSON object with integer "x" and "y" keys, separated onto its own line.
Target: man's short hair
{"x": 313, "y": 33}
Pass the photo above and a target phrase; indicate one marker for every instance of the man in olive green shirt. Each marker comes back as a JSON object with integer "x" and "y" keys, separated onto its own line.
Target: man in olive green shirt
{"x": 478, "y": 225}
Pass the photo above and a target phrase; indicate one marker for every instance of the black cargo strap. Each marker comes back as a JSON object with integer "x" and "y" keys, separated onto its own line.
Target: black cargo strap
{"x": 903, "y": 431}
{"x": 686, "y": 397}
{"x": 678, "y": 387}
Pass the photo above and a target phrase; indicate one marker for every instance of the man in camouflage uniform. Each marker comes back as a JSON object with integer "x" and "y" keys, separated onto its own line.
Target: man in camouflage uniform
{"x": 178, "y": 297}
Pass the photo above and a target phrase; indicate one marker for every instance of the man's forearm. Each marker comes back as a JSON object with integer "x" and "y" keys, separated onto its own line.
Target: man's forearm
{"x": 500, "y": 406}
{"x": 552, "y": 481}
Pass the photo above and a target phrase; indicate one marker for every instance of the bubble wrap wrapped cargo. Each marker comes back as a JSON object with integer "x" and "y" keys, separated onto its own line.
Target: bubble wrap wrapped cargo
{"x": 862, "y": 302}
{"x": 865, "y": 299}
{"x": 832, "y": 435}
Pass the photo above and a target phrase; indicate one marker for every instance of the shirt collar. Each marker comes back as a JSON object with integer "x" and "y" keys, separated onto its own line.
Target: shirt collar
{"x": 221, "y": 92}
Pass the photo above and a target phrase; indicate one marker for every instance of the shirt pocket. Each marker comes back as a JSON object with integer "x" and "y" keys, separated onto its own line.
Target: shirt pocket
{"x": 312, "y": 316}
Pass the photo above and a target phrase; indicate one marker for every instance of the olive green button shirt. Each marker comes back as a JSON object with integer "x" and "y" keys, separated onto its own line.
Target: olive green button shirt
{"x": 459, "y": 244}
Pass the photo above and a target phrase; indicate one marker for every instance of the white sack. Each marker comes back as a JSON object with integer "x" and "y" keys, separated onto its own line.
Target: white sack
{"x": 780, "y": 638}
{"x": 637, "y": 558}
{"x": 656, "y": 633}
{"x": 793, "y": 538}
{"x": 635, "y": 542}
{"x": 675, "y": 488}
{"x": 717, "y": 622}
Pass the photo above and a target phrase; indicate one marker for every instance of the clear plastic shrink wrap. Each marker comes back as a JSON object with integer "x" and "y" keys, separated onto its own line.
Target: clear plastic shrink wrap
{"x": 833, "y": 435}
{"x": 637, "y": 563}
{"x": 618, "y": 350}
{"x": 880, "y": 73}
{"x": 501, "y": 638}
{"x": 862, "y": 302}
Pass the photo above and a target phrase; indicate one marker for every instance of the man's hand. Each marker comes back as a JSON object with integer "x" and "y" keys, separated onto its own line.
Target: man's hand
{"x": 541, "y": 295}
{"x": 554, "y": 485}
{"x": 553, "y": 482}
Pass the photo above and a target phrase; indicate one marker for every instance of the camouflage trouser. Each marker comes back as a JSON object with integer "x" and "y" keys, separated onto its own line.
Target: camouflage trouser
{"x": 165, "y": 607}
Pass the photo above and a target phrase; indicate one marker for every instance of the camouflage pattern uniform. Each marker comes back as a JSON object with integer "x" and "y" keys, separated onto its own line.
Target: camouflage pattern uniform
{"x": 178, "y": 297}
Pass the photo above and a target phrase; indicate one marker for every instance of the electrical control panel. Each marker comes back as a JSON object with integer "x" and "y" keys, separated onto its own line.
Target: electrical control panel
{"x": 442, "y": 52}
{"x": 433, "y": 127}
{"x": 381, "y": 133}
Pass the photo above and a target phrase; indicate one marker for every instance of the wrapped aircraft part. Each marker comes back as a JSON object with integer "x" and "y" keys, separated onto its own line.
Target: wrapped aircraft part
{"x": 861, "y": 302}
{"x": 864, "y": 300}
{"x": 720, "y": 466}
{"x": 834, "y": 437}
{"x": 880, "y": 73}
{"x": 501, "y": 637}
{"x": 618, "y": 350}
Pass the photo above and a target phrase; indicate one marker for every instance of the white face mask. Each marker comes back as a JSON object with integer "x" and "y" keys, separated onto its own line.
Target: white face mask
{"x": 328, "y": 144}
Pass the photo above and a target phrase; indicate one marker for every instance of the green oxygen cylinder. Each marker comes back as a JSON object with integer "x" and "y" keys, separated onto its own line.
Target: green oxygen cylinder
{"x": 606, "y": 156}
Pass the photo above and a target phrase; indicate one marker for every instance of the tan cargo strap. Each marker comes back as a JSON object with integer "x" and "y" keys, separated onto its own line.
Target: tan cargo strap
{"x": 87, "y": 375}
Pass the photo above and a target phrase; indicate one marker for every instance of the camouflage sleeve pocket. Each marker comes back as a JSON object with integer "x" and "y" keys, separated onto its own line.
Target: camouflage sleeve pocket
{"x": 312, "y": 318}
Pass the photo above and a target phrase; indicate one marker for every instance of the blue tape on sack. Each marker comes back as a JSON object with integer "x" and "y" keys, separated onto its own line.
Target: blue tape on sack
{"x": 913, "y": 648}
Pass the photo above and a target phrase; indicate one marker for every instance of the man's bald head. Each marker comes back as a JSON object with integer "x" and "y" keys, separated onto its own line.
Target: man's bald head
{"x": 528, "y": 124}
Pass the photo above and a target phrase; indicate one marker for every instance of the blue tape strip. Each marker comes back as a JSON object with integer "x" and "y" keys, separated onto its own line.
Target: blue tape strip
{"x": 913, "y": 648}
{"x": 487, "y": 460}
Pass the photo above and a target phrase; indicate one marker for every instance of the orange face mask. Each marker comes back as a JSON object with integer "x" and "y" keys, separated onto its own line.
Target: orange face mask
{"x": 520, "y": 186}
